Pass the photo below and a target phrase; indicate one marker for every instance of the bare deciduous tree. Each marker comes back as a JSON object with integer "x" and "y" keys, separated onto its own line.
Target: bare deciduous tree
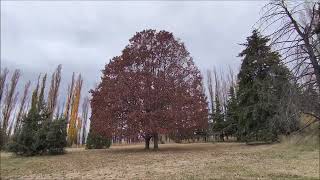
{"x": 210, "y": 90}
{"x": 294, "y": 33}
{"x": 10, "y": 99}
{"x": 218, "y": 80}
{"x": 3, "y": 77}
{"x": 219, "y": 84}
{"x": 41, "y": 101}
{"x": 294, "y": 29}
{"x": 22, "y": 108}
{"x": 69, "y": 98}
{"x": 53, "y": 92}
{"x": 85, "y": 110}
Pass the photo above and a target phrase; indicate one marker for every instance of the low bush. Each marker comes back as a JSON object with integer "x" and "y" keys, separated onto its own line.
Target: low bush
{"x": 95, "y": 141}
{"x": 56, "y": 137}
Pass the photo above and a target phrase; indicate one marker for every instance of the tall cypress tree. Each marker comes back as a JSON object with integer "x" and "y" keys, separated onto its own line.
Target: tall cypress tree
{"x": 231, "y": 122}
{"x": 218, "y": 118}
{"x": 261, "y": 82}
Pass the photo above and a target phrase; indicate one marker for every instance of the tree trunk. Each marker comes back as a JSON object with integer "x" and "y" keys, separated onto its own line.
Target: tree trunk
{"x": 221, "y": 137}
{"x": 147, "y": 142}
{"x": 155, "y": 141}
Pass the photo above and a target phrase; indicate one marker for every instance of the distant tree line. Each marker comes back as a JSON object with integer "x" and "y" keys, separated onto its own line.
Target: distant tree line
{"x": 154, "y": 88}
{"x": 37, "y": 124}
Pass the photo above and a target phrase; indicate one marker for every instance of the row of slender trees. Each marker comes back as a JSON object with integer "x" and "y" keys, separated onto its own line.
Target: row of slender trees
{"x": 15, "y": 109}
{"x": 154, "y": 88}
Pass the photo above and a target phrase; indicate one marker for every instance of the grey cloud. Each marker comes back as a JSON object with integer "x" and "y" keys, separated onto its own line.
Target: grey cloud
{"x": 83, "y": 36}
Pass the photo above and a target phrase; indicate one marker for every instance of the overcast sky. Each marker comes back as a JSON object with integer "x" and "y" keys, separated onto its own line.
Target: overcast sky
{"x": 84, "y": 36}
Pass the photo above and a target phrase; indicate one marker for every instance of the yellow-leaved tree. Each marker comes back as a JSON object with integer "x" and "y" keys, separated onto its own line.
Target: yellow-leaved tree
{"x": 75, "y": 100}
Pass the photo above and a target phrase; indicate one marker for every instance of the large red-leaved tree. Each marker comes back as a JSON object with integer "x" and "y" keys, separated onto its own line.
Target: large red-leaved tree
{"x": 153, "y": 88}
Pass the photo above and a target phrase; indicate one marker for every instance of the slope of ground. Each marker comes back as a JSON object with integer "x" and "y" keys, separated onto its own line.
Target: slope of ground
{"x": 172, "y": 161}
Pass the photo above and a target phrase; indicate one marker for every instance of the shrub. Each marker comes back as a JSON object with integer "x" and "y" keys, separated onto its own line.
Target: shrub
{"x": 39, "y": 135}
{"x": 26, "y": 141}
{"x": 95, "y": 141}
{"x": 56, "y": 136}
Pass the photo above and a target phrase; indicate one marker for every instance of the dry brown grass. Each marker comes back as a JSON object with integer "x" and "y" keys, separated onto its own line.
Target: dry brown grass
{"x": 172, "y": 161}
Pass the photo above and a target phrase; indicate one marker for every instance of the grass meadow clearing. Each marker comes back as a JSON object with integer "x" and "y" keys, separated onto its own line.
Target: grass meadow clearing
{"x": 171, "y": 161}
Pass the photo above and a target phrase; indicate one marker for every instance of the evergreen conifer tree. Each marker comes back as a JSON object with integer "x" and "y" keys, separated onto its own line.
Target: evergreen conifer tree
{"x": 218, "y": 118}
{"x": 39, "y": 134}
{"x": 231, "y": 122}
{"x": 261, "y": 81}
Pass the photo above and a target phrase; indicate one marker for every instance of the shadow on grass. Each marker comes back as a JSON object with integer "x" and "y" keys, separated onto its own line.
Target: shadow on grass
{"x": 173, "y": 148}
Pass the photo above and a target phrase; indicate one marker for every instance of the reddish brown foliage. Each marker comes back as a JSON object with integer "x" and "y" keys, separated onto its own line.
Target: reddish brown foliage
{"x": 153, "y": 87}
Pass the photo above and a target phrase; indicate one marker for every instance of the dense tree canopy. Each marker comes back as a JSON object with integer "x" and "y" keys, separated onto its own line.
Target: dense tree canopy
{"x": 153, "y": 87}
{"x": 262, "y": 82}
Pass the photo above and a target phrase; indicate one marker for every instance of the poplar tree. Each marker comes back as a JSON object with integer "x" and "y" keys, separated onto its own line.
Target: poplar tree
{"x": 74, "y": 123}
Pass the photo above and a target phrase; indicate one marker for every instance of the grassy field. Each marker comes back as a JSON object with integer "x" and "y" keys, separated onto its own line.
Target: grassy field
{"x": 172, "y": 161}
